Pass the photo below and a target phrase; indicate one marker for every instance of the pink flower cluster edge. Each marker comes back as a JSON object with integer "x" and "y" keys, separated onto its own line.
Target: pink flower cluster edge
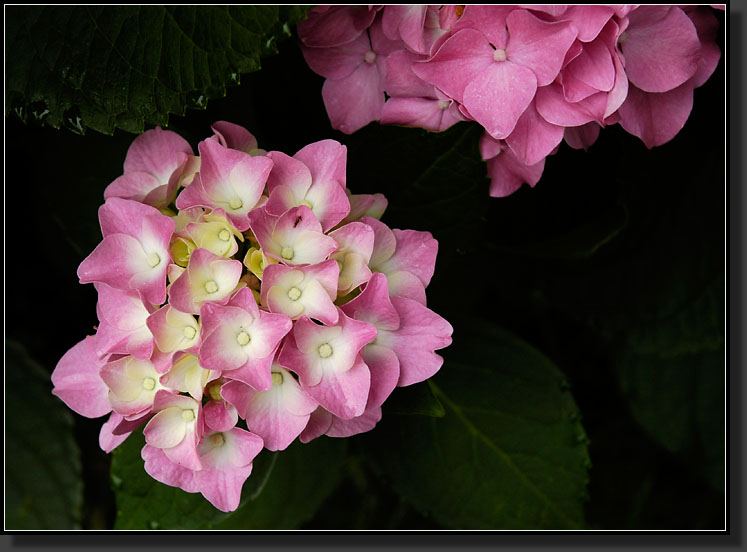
{"x": 245, "y": 299}
{"x": 531, "y": 75}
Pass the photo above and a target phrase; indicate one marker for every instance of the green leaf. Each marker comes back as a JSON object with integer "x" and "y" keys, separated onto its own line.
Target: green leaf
{"x": 44, "y": 489}
{"x": 510, "y": 453}
{"x": 672, "y": 374}
{"x": 414, "y": 399}
{"x": 679, "y": 401}
{"x": 103, "y": 67}
{"x": 284, "y": 490}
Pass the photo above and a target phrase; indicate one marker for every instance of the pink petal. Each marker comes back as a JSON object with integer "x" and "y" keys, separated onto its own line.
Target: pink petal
{"x": 533, "y": 138}
{"x": 385, "y": 373}
{"x": 489, "y": 20}
{"x": 373, "y": 305}
{"x": 326, "y": 159}
{"x": 221, "y": 480}
{"x": 269, "y": 416}
{"x": 656, "y": 118}
{"x": 166, "y": 429}
{"x": 290, "y": 173}
{"x": 234, "y": 136}
{"x": 158, "y": 152}
{"x": 421, "y": 332}
{"x": 424, "y": 113}
{"x": 384, "y": 241}
{"x": 108, "y": 441}
{"x": 360, "y": 424}
{"x": 406, "y": 23}
{"x": 707, "y": 26}
{"x": 335, "y": 25}
{"x": 554, "y": 108}
{"x": 136, "y": 186}
{"x": 343, "y": 394}
{"x": 319, "y": 422}
{"x": 337, "y": 62}
{"x": 539, "y": 45}
{"x": 219, "y": 415}
{"x": 594, "y": 67}
{"x": 498, "y": 96}
{"x": 329, "y": 203}
{"x": 163, "y": 469}
{"x": 661, "y": 49}
{"x": 588, "y": 20}
{"x": 361, "y": 205}
{"x": 460, "y": 60}
{"x": 354, "y": 101}
{"x": 416, "y": 253}
{"x": 77, "y": 381}
{"x": 124, "y": 216}
{"x": 507, "y": 173}
{"x": 582, "y": 137}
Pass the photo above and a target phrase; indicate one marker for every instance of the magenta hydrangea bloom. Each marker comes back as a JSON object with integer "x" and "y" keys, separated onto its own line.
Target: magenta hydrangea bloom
{"x": 273, "y": 306}
{"x": 531, "y": 75}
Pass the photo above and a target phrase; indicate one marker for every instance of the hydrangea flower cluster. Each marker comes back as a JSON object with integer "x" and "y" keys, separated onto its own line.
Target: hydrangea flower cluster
{"x": 531, "y": 75}
{"x": 242, "y": 284}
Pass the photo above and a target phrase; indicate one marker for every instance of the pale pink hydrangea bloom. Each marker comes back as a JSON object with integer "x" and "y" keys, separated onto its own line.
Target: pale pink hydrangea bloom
{"x": 531, "y": 75}
{"x": 273, "y": 306}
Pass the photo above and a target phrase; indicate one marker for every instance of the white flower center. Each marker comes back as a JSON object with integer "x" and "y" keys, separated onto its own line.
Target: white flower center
{"x": 325, "y": 350}
{"x": 149, "y": 384}
{"x": 370, "y": 56}
{"x": 224, "y": 235}
{"x": 218, "y": 439}
{"x": 443, "y": 104}
{"x": 154, "y": 260}
{"x": 243, "y": 338}
{"x": 189, "y": 332}
{"x": 236, "y": 203}
{"x": 307, "y": 203}
{"x": 277, "y": 378}
{"x": 623, "y": 37}
{"x": 287, "y": 253}
{"x": 499, "y": 55}
{"x": 188, "y": 415}
{"x": 211, "y": 286}
{"x": 294, "y": 294}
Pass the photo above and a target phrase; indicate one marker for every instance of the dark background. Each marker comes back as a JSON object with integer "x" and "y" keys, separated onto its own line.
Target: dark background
{"x": 663, "y": 211}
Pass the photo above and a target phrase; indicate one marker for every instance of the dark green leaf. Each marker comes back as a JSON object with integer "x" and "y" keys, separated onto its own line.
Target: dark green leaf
{"x": 672, "y": 374}
{"x": 44, "y": 489}
{"x": 414, "y": 399}
{"x": 679, "y": 400}
{"x": 510, "y": 453}
{"x": 103, "y": 67}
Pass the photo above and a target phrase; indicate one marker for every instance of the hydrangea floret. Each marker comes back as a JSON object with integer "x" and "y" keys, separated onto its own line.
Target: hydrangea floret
{"x": 531, "y": 75}
{"x": 246, "y": 299}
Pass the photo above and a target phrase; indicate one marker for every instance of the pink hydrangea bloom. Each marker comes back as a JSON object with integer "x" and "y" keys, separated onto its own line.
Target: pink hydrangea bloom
{"x": 221, "y": 330}
{"x": 531, "y": 75}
